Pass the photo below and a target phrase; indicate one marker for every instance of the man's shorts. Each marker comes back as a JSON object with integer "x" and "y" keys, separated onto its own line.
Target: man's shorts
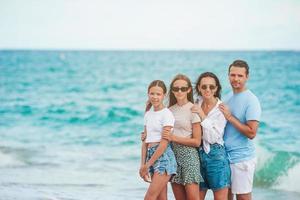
{"x": 242, "y": 174}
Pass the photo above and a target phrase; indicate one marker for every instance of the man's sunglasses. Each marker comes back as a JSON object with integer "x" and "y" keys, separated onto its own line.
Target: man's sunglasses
{"x": 182, "y": 89}
{"x": 211, "y": 87}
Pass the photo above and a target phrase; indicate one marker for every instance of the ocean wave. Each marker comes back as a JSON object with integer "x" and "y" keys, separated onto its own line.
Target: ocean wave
{"x": 18, "y": 109}
{"x": 89, "y": 117}
{"x": 289, "y": 181}
{"x": 277, "y": 169}
{"x": 121, "y": 114}
{"x": 10, "y": 160}
{"x": 74, "y": 110}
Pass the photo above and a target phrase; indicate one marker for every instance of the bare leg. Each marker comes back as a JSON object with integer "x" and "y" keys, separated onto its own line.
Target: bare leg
{"x": 244, "y": 196}
{"x": 202, "y": 194}
{"x": 221, "y": 194}
{"x": 163, "y": 194}
{"x": 192, "y": 191}
{"x": 179, "y": 191}
{"x": 230, "y": 195}
{"x": 157, "y": 185}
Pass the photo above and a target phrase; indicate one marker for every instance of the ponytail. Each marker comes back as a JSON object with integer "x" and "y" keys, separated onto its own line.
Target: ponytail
{"x": 148, "y": 106}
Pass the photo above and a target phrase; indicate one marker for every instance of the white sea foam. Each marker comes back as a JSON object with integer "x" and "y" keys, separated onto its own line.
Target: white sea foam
{"x": 263, "y": 156}
{"x": 8, "y": 160}
{"x": 291, "y": 181}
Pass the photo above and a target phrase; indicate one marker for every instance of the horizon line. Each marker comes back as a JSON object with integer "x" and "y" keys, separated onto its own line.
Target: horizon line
{"x": 144, "y": 49}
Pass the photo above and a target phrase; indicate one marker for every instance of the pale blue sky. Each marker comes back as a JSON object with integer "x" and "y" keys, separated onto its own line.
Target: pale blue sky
{"x": 150, "y": 24}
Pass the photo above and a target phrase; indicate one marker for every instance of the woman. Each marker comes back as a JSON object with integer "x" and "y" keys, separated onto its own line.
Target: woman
{"x": 214, "y": 162}
{"x": 186, "y": 139}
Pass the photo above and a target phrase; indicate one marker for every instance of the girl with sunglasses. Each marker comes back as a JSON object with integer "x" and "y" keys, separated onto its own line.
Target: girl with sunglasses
{"x": 214, "y": 162}
{"x": 157, "y": 158}
{"x": 185, "y": 138}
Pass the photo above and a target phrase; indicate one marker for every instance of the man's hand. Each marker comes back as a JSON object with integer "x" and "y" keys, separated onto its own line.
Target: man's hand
{"x": 225, "y": 110}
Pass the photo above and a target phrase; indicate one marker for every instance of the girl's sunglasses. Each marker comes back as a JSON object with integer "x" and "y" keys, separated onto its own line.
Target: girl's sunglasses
{"x": 211, "y": 87}
{"x": 182, "y": 89}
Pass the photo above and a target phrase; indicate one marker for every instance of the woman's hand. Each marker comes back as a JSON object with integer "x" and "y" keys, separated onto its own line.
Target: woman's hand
{"x": 197, "y": 109}
{"x": 143, "y": 171}
{"x": 143, "y": 136}
{"x": 167, "y": 135}
{"x": 147, "y": 178}
{"x": 144, "y": 174}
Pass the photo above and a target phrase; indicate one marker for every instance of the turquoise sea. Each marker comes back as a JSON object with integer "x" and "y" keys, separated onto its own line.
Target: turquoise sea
{"x": 70, "y": 120}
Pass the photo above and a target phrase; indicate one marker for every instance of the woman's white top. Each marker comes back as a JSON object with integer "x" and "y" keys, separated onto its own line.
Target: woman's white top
{"x": 184, "y": 119}
{"x": 155, "y": 121}
{"x": 213, "y": 127}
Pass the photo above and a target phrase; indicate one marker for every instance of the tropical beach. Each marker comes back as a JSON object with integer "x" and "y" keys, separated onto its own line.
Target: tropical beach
{"x": 82, "y": 140}
{"x": 74, "y": 78}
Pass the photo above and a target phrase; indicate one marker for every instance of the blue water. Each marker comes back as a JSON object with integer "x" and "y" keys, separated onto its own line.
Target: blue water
{"x": 70, "y": 120}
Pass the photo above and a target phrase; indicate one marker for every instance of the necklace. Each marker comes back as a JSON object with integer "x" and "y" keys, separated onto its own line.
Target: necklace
{"x": 208, "y": 107}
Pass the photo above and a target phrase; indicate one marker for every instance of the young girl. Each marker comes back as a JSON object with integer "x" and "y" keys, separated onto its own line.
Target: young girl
{"x": 214, "y": 162}
{"x": 186, "y": 139}
{"x": 158, "y": 159}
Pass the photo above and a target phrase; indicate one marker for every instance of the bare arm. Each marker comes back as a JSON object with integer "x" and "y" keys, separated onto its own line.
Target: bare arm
{"x": 195, "y": 141}
{"x": 249, "y": 129}
{"x": 144, "y": 150}
{"x": 159, "y": 151}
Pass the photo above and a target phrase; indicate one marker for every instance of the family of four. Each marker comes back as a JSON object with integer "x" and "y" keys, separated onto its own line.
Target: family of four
{"x": 202, "y": 144}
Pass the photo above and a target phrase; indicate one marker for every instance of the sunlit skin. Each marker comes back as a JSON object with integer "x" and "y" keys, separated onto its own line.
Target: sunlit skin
{"x": 180, "y": 96}
{"x": 188, "y": 191}
{"x": 156, "y": 96}
{"x": 158, "y": 185}
{"x": 209, "y": 102}
{"x": 238, "y": 79}
{"x": 208, "y": 94}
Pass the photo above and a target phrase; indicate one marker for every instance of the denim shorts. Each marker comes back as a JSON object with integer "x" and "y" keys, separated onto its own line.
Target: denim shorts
{"x": 165, "y": 163}
{"x": 215, "y": 168}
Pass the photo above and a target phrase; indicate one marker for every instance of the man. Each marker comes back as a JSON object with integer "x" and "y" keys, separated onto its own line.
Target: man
{"x": 242, "y": 110}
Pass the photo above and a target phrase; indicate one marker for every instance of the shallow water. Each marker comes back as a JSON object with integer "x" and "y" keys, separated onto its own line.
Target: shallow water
{"x": 70, "y": 120}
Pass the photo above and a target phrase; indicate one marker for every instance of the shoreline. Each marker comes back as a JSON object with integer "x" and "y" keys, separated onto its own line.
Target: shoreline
{"x": 263, "y": 194}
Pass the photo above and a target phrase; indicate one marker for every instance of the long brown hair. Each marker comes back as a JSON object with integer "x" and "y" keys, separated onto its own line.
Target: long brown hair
{"x": 172, "y": 98}
{"x": 154, "y": 83}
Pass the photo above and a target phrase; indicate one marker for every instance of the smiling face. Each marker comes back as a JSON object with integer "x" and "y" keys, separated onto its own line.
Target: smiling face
{"x": 156, "y": 96}
{"x": 238, "y": 78}
{"x": 180, "y": 89}
{"x": 207, "y": 87}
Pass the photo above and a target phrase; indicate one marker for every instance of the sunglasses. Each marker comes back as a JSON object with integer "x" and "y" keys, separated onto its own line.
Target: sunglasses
{"x": 211, "y": 87}
{"x": 182, "y": 89}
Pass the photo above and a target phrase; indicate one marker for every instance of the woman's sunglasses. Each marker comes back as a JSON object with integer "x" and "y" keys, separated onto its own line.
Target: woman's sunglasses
{"x": 211, "y": 87}
{"x": 182, "y": 89}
